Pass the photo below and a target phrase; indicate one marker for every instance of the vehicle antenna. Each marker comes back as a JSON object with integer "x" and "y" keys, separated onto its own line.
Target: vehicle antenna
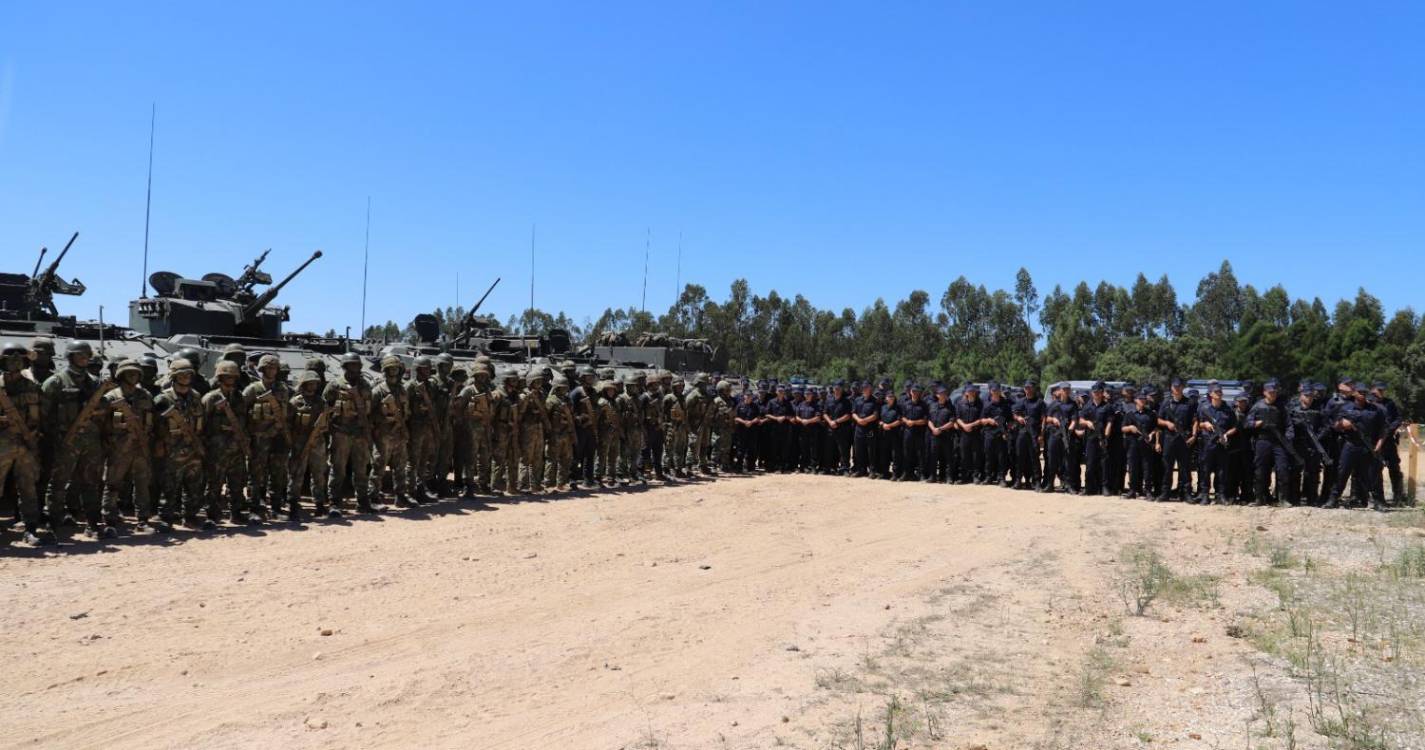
{"x": 365, "y": 256}
{"x": 148, "y": 201}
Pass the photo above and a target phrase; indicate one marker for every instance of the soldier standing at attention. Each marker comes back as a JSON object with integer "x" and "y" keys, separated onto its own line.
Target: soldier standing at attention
{"x": 1217, "y": 423}
{"x": 837, "y": 413}
{"x": 1389, "y": 448}
{"x": 71, "y": 421}
{"x": 865, "y": 413}
{"x": 675, "y": 430}
{"x": 724, "y": 413}
{"x": 996, "y": 436}
{"x": 780, "y": 412}
{"x": 654, "y": 437}
{"x": 1030, "y": 437}
{"x": 968, "y": 415}
{"x": 914, "y": 418}
{"x": 699, "y": 411}
{"x": 745, "y": 421}
{"x": 476, "y": 400}
{"x": 1139, "y": 424}
{"x": 1361, "y": 426}
{"x": 267, "y": 400}
{"x": 560, "y": 436}
{"x": 889, "y": 443}
{"x": 1175, "y": 417}
{"x": 180, "y": 413}
{"x": 226, "y": 445}
{"x": 504, "y": 436}
{"x": 610, "y": 432}
{"x": 581, "y": 400}
{"x": 20, "y": 441}
{"x": 1058, "y": 416}
{"x": 631, "y": 418}
{"x": 350, "y": 400}
{"x": 1267, "y": 418}
{"x": 128, "y": 429}
{"x": 443, "y": 446}
{"x": 309, "y": 421}
{"x": 457, "y": 416}
{"x": 423, "y": 430}
{"x": 940, "y": 421}
{"x": 390, "y": 421}
{"x": 1092, "y": 419}
{"x": 1305, "y": 423}
{"x": 533, "y": 421}
{"x": 41, "y": 360}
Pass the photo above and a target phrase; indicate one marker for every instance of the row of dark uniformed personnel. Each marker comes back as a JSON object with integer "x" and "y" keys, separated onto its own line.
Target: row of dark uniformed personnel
{"x": 177, "y": 449}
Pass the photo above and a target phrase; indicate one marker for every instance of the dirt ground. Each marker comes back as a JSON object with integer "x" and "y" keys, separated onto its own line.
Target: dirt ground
{"x": 747, "y": 612}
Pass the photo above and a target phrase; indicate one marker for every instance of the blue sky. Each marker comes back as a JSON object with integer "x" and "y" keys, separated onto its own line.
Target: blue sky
{"x": 841, "y": 151}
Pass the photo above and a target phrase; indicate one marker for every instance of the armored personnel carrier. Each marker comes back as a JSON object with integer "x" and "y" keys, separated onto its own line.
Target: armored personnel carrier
{"x": 657, "y": 350}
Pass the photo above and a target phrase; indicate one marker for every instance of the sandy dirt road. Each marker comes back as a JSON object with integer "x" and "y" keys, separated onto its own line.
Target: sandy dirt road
{"x": 746, "y": 612}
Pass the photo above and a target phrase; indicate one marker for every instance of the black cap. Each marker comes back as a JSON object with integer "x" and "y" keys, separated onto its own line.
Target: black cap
{"x": 1031, "y": 383}
{"x": 1098, "y": 387}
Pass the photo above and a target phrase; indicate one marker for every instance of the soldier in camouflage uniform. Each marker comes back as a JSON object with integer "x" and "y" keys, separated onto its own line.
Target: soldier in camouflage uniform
{"x": 560, "y": 436}
{"x": 309, "y": 420}
{"x": 180, "y": 428}
{"x": 504, "y": 436}
{"x": 675, "y": 430}
{"x": 444, "y": 446}
{"x": 350, "y": 399}
{"x": 319, "y": 366}
{"x": 458, "y": 422}
{"x": 581, "y": 401}
{"x": 237, "y": 355}
{"x": 477, "y": 399}
{"x": 631, "y": 415}
{"x": 390, "y": 418}
{"x": 609, "y": 422}
{"x": 700, "y": 418}
{"x": 128, "y": 429}
{"x": 655, "y": 438}
{"x": 20, "y": 441}
{"x": 267, "y": 401}
{"x": 226, "y": 445}
{"x": 423, "y": 420}
{"x": 723, "y": 424}
{"x": 533, "y": 422}
{"x": 71, "y": 419}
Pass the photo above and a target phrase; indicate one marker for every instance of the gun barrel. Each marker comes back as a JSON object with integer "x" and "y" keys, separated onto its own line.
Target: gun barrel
{"x": 483, "y": 296}
{"x": 38, "y": 261}
{"x": 271, "y": 293}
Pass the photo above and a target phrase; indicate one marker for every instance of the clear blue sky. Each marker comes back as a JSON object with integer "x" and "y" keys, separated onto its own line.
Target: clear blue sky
{"x": 840, "y": 151}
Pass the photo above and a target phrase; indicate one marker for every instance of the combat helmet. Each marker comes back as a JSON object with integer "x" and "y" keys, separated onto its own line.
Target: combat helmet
{"x": 193, "y": 356}
{"x": 350, "y": 358}
{"x": 179, "y": 365}
{"x": 421, "y": 361}
{"x": 43, "y": 344}
{"x": 234, "y": 349}
{"x": 308, "y": 376}
{"x": 389, "y": 361}
{"x": 269, "y": 360}
{"x": 533, "y": 377}
{"x": 226, "y": 367}
{"x": 127, "y": 366}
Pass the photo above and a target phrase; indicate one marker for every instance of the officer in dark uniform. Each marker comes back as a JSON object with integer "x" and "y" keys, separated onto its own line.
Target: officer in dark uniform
{"x": 837, "y": 413}
{"x": 1332, "y": 440}
{"x": 915, "y": 415}
{"x": 890, "y": 442}
{"x": 779, "y": 413}
{"x": 866, "y": 412}
{"x": 1217, "y": 423}
{"x": 1175, "y": 417}
{"x": 1058, "y": 417}
{"x": 1270, "y": 451}
{"x": 746, "y": 419}
{"x": 1093, "y": 421}
{"x": 1116, "y": 452}
{"x": 809, "y": 429}
{"x": 996, "y": 419}
{"x": 968, "y": 413}
{"x": 1389, "y": 448}
{"x": 1305, "y": 423}
{"x": 941, "y": 426}
{"x": 1029, "y": 438}
{"x": 1140, "y": 427}
{"x": 1361, "y": 426}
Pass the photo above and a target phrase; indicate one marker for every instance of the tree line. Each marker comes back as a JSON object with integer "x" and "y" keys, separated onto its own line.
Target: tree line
{"x": 1141, "y": 333}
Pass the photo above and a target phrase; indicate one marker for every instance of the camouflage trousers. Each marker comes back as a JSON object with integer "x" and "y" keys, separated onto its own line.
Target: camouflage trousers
{"x": 559, "y": 461}
{"x": 183, "y": 483}
{"x": 443, "y": 448}
{"x": 631, "y": 453}
{"x": 610, "y": 451}
{"x": 78, "y": 467}
{"x": 226, "y": 474}
{"x": 532, "y": 459}
{"x": 17, "y": 460}
{"x": 504, "y": 458}
{"x": 699, "y": 445}
{"x": 127, "y": 464}
{"x": 267, "y": 471}
{"x": 392, "y": 455}
{"x": 422, "y": 453}
{"x": 675, "y": 453}
{"x": 722, "y": 449}
{"x": 477, "y": 457}
{"x": 460, "y": 455}
{"x": 314, "y": 466}
{"x": 350, "y": 451}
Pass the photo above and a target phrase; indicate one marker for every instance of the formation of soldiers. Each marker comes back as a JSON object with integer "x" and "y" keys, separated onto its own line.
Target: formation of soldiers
{"x": 84, "y": 446}
{"x": 1138, "y": 442}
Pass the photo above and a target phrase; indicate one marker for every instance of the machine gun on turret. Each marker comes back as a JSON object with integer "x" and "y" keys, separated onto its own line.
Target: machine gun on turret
{"x": 45, "y": 284}
{"x": 216, "y": 305}
{"x": 251, "y": 276}
{"x": 474, "y": 326}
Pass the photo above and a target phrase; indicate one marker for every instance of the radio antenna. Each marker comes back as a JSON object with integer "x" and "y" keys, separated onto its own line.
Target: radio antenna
{"x": 148, "y": 201}
{"x": 647, "y": 242}
{"x": 365, "y": 258}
